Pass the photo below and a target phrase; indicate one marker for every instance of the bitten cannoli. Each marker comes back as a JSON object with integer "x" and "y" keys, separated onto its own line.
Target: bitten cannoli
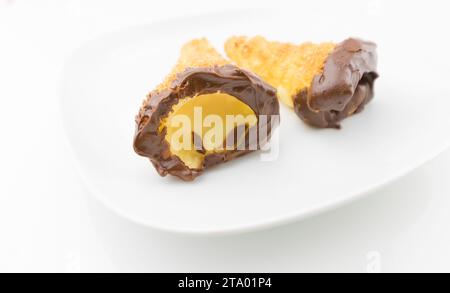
{"x": 324, "y": 83}
{"x": 203, "y": 114}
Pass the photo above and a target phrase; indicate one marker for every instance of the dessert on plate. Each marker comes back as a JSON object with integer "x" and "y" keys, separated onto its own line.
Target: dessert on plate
{"x": 206, "y": 111}
{"x": 324, "y": 83}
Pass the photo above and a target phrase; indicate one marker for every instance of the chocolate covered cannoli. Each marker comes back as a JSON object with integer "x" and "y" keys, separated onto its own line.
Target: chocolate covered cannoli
{"x": 184, "y": 126}
{"x": 323, "y": 83}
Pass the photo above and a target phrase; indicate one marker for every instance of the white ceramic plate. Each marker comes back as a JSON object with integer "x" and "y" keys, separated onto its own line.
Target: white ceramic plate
{"x": 104, "y": 83}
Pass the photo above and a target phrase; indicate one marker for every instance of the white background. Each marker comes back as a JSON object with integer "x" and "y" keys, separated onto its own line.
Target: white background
{"x": 48, "y": 221}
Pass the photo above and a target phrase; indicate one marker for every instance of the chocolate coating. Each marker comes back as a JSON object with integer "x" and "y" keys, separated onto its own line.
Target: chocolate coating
{"x": 344, "y": 87}
{"x": 228, "y": 79}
